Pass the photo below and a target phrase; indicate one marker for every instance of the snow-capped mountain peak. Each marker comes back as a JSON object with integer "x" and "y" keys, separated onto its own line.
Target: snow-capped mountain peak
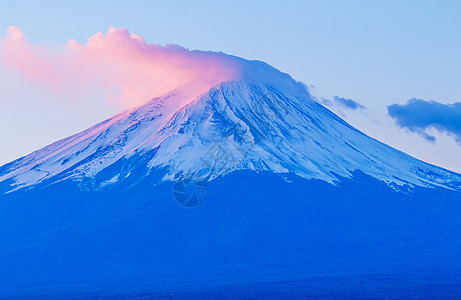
{"x": 261, "y": 121}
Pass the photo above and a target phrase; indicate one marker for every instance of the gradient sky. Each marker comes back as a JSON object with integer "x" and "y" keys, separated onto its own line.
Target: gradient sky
{"x": 376, "y": 53}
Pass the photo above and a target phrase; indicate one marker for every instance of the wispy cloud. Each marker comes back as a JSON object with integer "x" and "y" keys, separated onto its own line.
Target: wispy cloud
{"x": 348, "y": 103}
{"x": 419, "y": 115}
{"x": 121, "y": 63}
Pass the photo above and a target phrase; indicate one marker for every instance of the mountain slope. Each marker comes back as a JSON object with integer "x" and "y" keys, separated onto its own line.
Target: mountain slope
{"x": 255, "y": 232}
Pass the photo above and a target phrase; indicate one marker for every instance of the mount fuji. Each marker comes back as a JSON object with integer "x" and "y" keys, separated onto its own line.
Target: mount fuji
{"x": 294, "y": 201}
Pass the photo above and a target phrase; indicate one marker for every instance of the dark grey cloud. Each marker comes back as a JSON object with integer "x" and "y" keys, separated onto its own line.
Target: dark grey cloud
{"x": 348, "y": 103}
{"x": 418, "y": 115}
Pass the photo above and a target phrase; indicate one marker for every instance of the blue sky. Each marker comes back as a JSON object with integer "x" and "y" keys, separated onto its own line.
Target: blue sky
{"x": 376, "y": 53}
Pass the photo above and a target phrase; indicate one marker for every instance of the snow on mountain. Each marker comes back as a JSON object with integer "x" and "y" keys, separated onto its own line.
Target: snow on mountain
{"x": 262, "y": 120}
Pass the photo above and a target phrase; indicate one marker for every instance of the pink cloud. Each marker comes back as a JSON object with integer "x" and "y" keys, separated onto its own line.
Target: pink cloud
{"x": 128, "y": 69}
